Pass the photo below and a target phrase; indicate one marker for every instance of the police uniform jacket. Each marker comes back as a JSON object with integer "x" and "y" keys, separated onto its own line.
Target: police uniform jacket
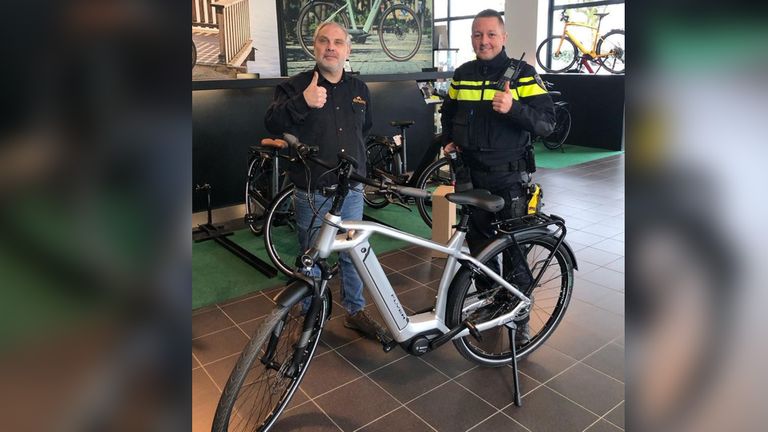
{"x": 486, "y": 137}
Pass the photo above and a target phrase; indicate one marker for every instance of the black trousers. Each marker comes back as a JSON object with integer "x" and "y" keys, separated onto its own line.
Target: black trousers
{"x": 512, "y": 186}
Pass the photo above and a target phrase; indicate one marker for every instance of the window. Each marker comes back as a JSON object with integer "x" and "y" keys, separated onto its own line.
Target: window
{"x": 581, "y": 11}
{"x": 458, "y": 15}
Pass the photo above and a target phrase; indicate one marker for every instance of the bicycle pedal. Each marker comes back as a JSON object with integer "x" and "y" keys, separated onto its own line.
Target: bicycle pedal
{"x": 387, "y": 343}
{"x": 473, "y": 330}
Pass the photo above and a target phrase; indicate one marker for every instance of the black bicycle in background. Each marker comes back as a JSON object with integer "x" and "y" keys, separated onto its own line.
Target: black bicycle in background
{"x": 557, "y": 138}
{"x": 387, "y": 163}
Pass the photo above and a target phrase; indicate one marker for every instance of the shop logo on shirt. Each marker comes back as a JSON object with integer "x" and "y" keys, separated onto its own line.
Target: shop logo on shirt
{"x": 359, "y": 100}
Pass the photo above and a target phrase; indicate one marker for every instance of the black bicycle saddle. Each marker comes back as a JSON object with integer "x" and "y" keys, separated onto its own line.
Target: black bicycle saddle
{"x": 479, "y": 198}
{"x": 402, "y": 123}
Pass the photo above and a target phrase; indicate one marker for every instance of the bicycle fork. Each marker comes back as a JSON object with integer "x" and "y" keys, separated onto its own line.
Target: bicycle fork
{"x": 290, "y": 367}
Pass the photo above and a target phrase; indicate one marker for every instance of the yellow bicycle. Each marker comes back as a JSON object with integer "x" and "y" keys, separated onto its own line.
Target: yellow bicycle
{"x": 559, "y": 53}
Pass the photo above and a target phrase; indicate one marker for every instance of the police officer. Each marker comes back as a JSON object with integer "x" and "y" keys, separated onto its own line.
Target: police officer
{"x": 491, "y": 123}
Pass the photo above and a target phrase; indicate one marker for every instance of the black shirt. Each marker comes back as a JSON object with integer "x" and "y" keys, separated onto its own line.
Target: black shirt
{"x": 341, "y": 124}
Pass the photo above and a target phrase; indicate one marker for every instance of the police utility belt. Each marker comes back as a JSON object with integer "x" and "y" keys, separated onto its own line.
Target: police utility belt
{"x": 514, "y": 166}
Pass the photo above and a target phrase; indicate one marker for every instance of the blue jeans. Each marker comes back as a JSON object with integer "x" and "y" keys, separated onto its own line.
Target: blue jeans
{"x": 351, "y": 286}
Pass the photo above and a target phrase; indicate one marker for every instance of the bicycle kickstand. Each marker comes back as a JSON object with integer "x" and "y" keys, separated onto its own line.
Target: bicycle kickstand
{"x": 511, "y": 329}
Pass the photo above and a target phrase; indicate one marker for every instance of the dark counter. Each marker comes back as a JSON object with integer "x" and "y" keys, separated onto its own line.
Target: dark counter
{"x": 228, "y": 117}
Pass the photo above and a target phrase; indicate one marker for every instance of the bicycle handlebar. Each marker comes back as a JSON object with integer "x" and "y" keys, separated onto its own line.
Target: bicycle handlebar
{"x": 306, "y": 152}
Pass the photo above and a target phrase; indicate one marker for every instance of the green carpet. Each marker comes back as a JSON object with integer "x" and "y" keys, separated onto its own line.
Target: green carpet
{"x": 218, "y": 275}
{"x": 573, "y": 155}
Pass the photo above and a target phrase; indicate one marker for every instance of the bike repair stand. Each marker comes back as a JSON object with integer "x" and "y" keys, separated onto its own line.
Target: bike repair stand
{"x": 209, "y": 231}
{"x": 511, "y": 329}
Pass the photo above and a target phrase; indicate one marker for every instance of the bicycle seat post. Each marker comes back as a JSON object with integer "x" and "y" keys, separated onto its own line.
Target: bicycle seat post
{"x": 275, "y": 174}
{"x": 404, "y": 168}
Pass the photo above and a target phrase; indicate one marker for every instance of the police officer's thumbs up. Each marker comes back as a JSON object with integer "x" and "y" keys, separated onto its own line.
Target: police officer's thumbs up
{"x": 314, "y": 94}
{"x": 502, "y": 100}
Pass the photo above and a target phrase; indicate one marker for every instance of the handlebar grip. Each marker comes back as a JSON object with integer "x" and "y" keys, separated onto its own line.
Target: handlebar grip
{"x": 411, "y": 191}
{"x": 303, "y": 150}
{"x": 292, "y": 141}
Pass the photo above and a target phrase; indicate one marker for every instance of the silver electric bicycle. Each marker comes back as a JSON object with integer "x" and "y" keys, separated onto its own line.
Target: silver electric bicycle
{"x": 478, "y": 304}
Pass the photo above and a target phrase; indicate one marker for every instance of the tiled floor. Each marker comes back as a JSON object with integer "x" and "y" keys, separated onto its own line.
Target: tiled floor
{"x": 575, "y": 382}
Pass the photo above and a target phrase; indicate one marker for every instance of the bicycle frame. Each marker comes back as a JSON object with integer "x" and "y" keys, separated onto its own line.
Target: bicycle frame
{"x": 351, "y": 13}
{"x": 577, "y": 42}
{"x": 402, "y": 326}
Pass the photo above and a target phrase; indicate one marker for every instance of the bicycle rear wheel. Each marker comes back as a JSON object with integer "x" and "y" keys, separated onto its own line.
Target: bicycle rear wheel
{"x": 266, "y": 376}
{"x": 311, "y": 16}
{"x": 400, "y": 32}
{"x": 611, "y": 49}
{"x": 280, "y": 237}
{"x": 562, "y": 54}
{"x": 558, "y": 136}
{"x": 382, "y": 162}
{"x": 469, "y": 300}
{"x": 438, "y": 173}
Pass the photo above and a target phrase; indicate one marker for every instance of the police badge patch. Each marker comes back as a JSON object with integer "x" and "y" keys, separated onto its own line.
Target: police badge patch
{"x": 539, "y": 81}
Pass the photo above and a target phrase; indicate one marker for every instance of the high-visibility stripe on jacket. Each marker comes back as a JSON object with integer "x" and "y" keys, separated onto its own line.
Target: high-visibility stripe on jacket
{"x": 473, "y": 90}
{"x": 490, "y": 137}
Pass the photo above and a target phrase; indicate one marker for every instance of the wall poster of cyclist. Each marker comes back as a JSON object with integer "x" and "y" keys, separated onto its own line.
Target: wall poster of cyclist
{"x": 388, "y": 37}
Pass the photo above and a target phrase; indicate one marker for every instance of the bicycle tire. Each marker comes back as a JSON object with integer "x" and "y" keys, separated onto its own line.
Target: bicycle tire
{"x": 380, "y": 158}
{"x": 257, "y": 189}
{"x": 194, "y": 54}
{"x": 565, "y": 58}
{"x": 310, "y": 17}
{"x": 280, "y": 237}
{"x": 557, "y": 138}
{"x": 400, "y": 32}
{"x": 288, "y": 321}
{"x": 615, "y": 49}
{"x": 436, "y": 174}
{"x": 550, "y": 299}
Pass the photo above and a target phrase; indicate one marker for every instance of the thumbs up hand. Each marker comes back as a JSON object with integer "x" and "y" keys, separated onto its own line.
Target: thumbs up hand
{"x": 315, "y": 95}
{"x": 502, "y": 100}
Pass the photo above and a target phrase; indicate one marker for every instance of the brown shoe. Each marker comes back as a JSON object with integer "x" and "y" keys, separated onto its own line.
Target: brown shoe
{"x": 366, "y": 325}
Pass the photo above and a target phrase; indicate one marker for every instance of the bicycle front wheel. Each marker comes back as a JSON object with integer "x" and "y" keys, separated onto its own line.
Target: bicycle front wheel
{"x": 311, "y": 16}
{"x": 562, "y": 54}
{"x": 439, "y": 173}
{"x": 381, "y": 161}
{"x": 400, "y": 32}
{"x": 474, "y": 297}
{"x": 556, "y": 139}
{"x": 280, "y": 236}
{"x": 268, "y": 372}
{"x": 611, "y": 51}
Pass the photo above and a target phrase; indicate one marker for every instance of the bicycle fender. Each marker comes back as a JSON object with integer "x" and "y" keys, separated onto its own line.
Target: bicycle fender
{"x": 543, "y": 231}
{"x": 293, "y": 293}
